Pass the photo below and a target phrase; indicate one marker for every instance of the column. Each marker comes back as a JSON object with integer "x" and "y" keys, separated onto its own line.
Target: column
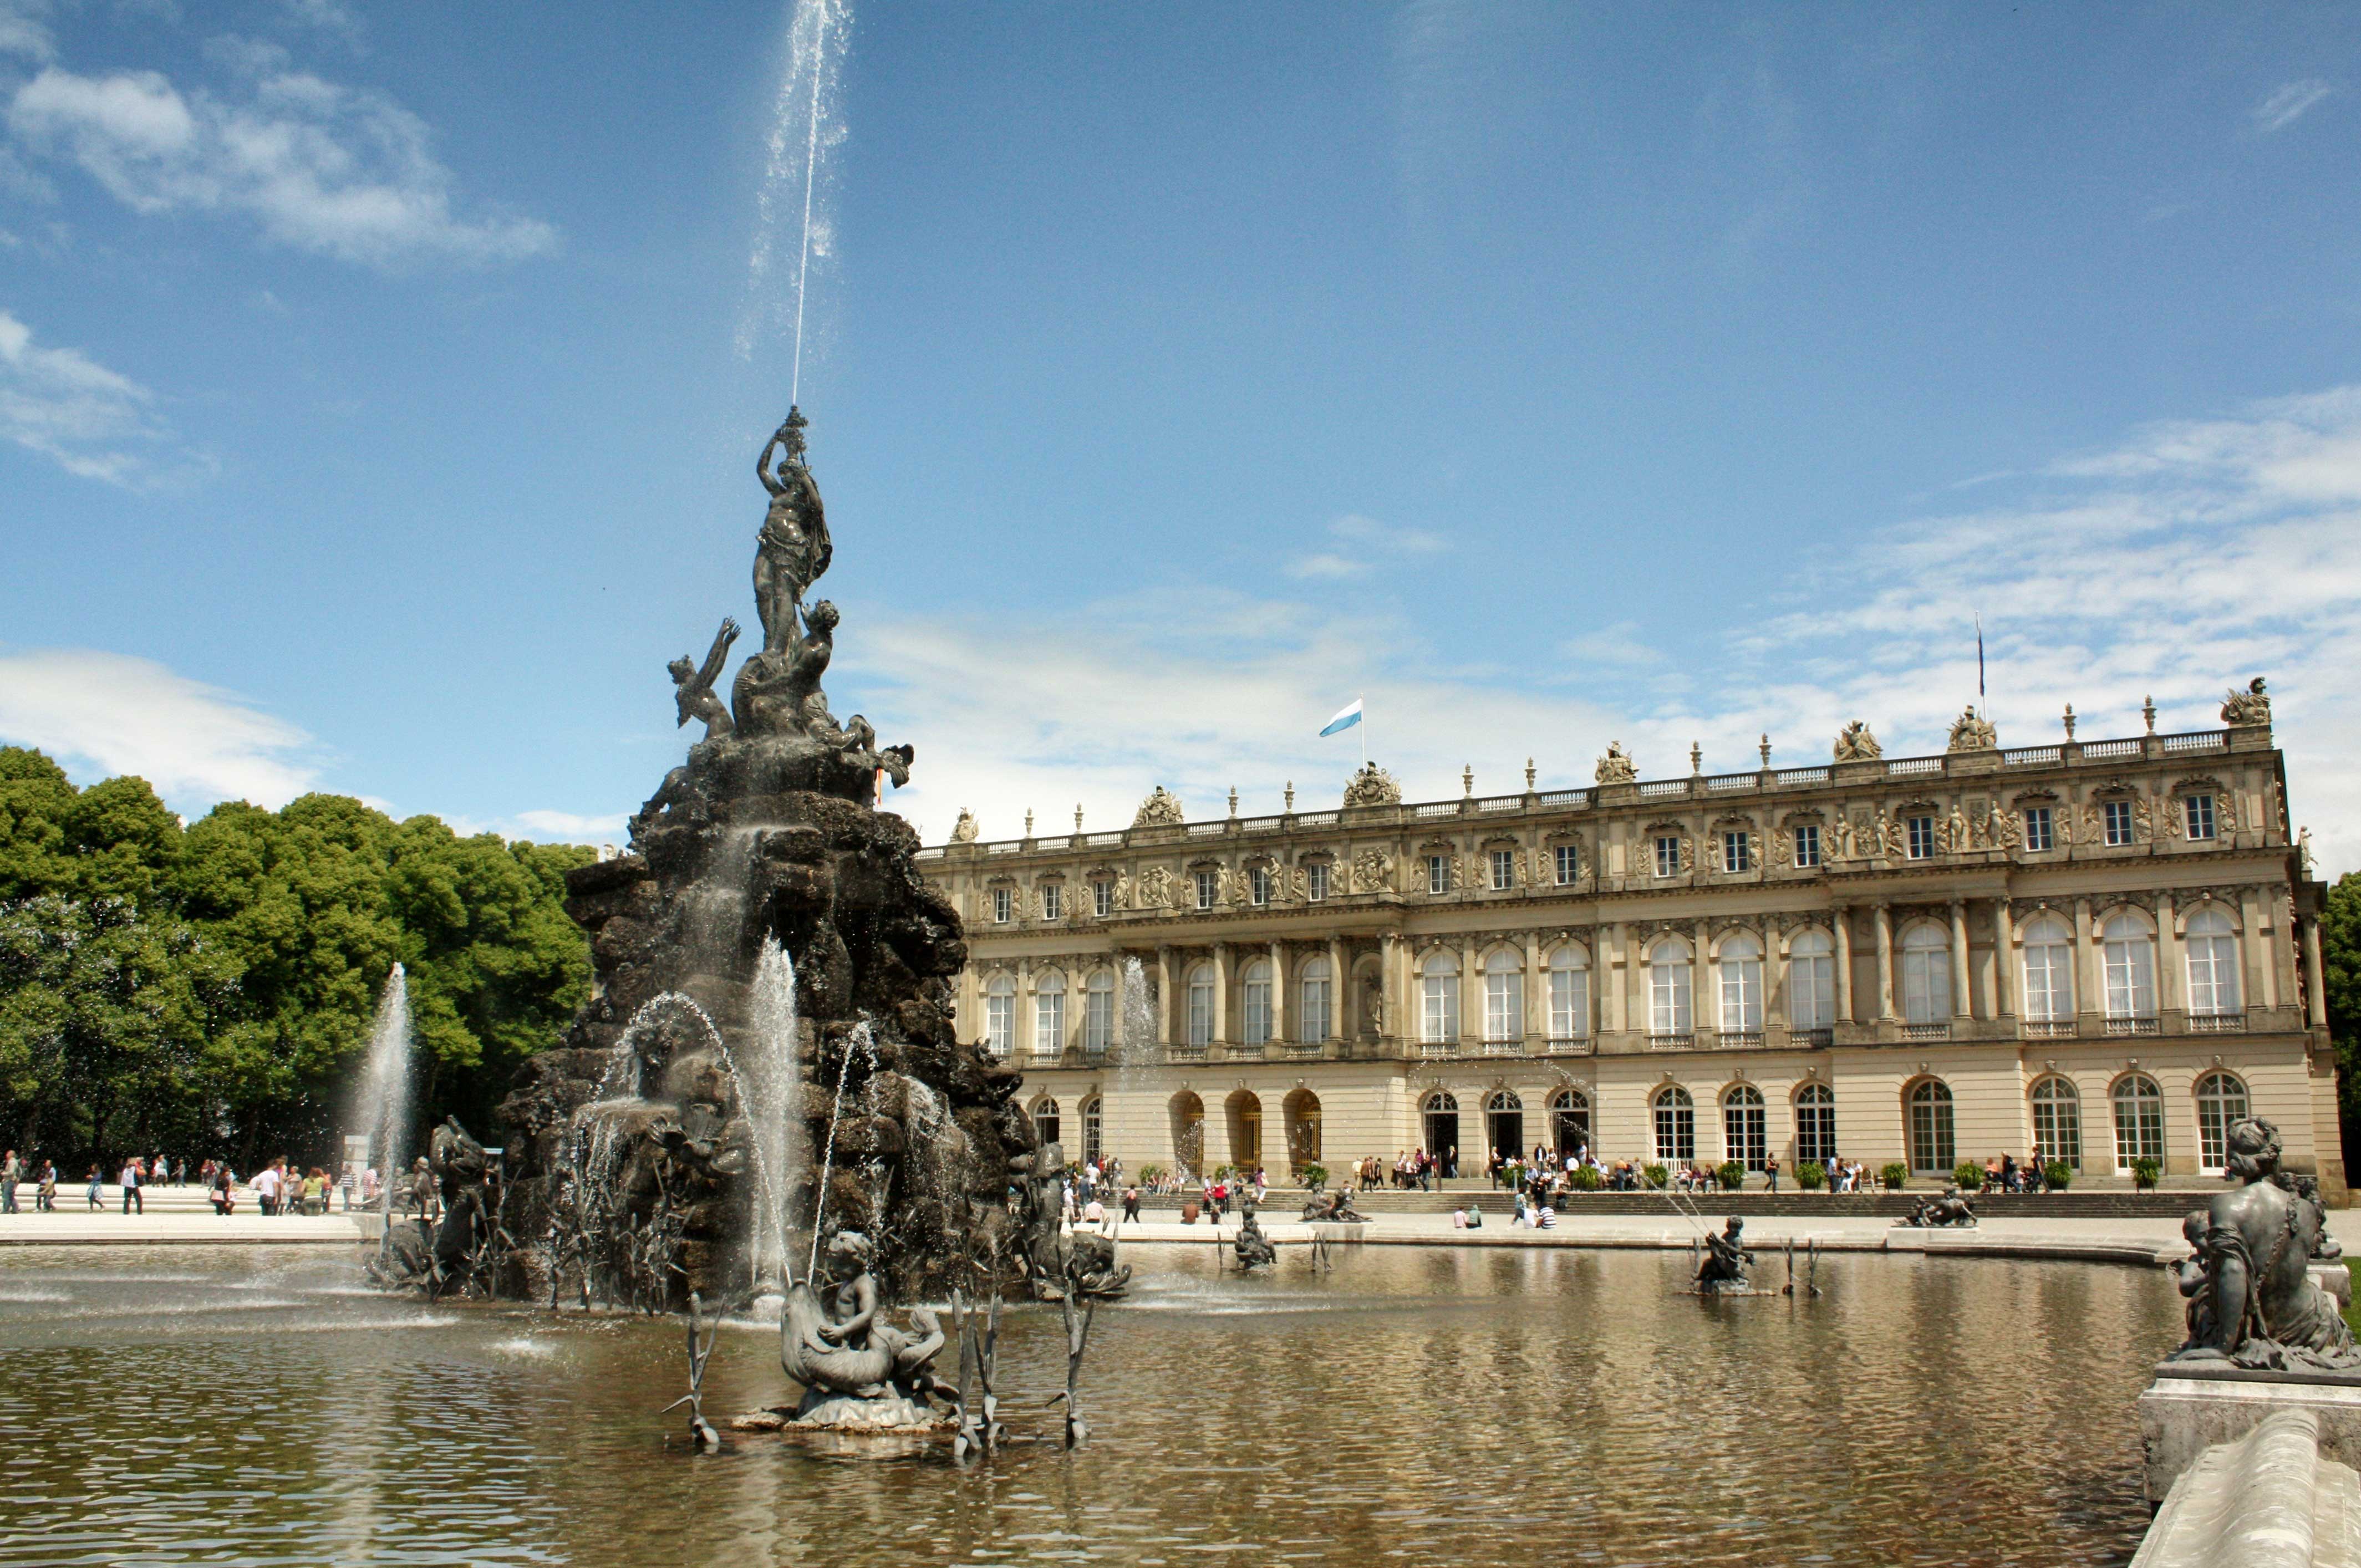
{"x": 2170, "y": 989}
{"x": 2262, "y": 967}
{"x": 1020, "y": 1044}
{"x": 2090, "y": 988}
{"x": 1165, "y": 1001}
{"x": 2003, "y": 986}
{"x": 1610, "y": 961}
{"x": 1704, "y": 1006}
{"x": 1471, "y": 988}
{"x": 1884, "y": 913}
{"x": 1388, "y": 1002}
{"x": 1537, "y": 1018}
{"x": 1223, "y": 972}
{"x": 1278, "y": 991}
{"x": 1962, "y": 1003}
{"x": 1336, "y": 988}
{"x": 1842, "y": 918}
{"x": 2315, "y": 982}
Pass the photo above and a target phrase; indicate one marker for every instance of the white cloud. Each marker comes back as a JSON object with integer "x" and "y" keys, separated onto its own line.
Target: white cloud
{"x": 65, "y": 405}
{"x": 2287, "y": 103}
{"x": 1361, "y": 543}
{"x": 343, "y": 171}
{"x": 328, "y": 15}
{"x": 566, "y": 827}
{"x": 113, "y": 713}
{"x": 24, "y": 30}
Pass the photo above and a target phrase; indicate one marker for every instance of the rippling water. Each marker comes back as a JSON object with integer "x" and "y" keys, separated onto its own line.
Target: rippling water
{"x": 1417, "y": 1406}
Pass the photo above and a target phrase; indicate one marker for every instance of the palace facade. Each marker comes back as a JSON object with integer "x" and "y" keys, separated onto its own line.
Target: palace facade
{"x": 2101, "y": 950}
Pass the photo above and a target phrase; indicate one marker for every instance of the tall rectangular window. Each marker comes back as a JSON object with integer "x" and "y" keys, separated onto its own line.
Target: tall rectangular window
{"x": 1668, "y": 997}
{"x": 2117, "y": 816}
{"x": 1315, "y": 879}
{"x": 1811, "y": 990}
{"x": 1258, "y": 885}
{"x": 1200, "y": 1008}
{"x": 1000, "y": 902}
{"x": 1922, "y": 838}
{"x": 2048, "y": 981}
{"x": 1807, "y": 845}
{"x": 1103, "y": 898}
{"x": 1049, "y": 1022}
{"x": 1741, "y": 994}
{"x": 999, "y": 1021}
{"x": 1098, "y": 1017}
{"x": 1438, "y": 873}
{"x": 1313, "y": 1024}
{"x": 2038, "y": 834}
{"x": 1051, "y": 895}
{"x": 1668, "y": 855}
{"x": 1504, "y": 870}
{"x": 1504, "y": 1005}
{"x": 1569, "y": 865}
{"x": 1737, "y": 852}
{"x": 1569, "y": 1003}
{"x": 2198, "y": 810}
{"x": 1257, "y": 1011}
{"x": 1209, "y": 887}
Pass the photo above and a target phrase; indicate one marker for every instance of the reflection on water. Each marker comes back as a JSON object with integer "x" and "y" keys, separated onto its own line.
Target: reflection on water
{"x": 1414, "y": 1405}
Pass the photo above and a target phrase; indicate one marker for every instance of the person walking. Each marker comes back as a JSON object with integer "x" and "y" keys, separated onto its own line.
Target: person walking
{"x": 1771, "y": 1169}
{"x": 11, "y": 1171}
{"x": 94, "y": 1189}
{"x": 225, "y": 1201}
{"x": 130, "y": 1180}
{"x": 44, "y": 1198}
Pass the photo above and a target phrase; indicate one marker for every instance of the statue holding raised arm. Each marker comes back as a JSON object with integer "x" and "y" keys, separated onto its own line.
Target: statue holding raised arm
{"x": 793, "y": 548}
{"x": 693, "y": 685}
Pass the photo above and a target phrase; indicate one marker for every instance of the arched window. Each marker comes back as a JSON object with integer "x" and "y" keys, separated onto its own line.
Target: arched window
{"x": 2058, "y": 1122}
{"x": 1094, "y": 1146}
{"x": 1049, "y": 1013}
{"x": 2212, "y": 965}
{"x": 1676, "y": 1124}
{"x": 1741, "y": 962}
{"x": 1744, "y": 1136}
{"x": 1200, "y": 1005}
{"x": 2220, "y": 1100}
{"x": 1044, "y": 1121}
{"x": 2049, "y": 970}
{"x": 1255, "y": 979}
{"x": 1570, "y": 1122}
{"x": 1569, "y": 992}
{"x": 2139, "y": 1120}
{"x": 1098, "y": 1013}
{"x": 1440, "y": 1117}
{"x": 2130, "y": 955}
{"x": 1812, "y": 981}
{"x": 1668, "y": 987}
{"x": 1439, "y": 986}
{"x": 1926, "y": 975}
{"x": 1816, "y": 1124}
{"x": 1504, "y": 1120}
{"x": 1000, "y": 1014}
{"x": 1319, "y": 1000}
{"x": 1930, "y": 1128}
{"x": 1504, "y": 996}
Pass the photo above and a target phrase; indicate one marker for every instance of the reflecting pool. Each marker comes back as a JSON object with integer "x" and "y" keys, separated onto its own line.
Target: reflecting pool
{"x": 263, "y": 1406}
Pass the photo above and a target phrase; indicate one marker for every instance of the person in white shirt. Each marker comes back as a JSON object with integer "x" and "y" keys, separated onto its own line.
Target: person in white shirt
{"x": 265, "y": 1189}
{"x": 130, "y": 1180}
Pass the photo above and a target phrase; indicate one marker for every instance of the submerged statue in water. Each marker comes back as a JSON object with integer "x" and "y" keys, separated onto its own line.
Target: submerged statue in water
{"x": 856, "y": 1370}
{"x": 2252, "y": 1301}
{"x": 1725, "y": 1258}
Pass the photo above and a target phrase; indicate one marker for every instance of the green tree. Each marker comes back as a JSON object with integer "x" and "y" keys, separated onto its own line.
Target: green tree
{"x": 2340, "y": 953}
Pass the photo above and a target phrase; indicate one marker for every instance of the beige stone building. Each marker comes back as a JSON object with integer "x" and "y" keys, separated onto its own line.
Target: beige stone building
{"x": 2103, "y": 949}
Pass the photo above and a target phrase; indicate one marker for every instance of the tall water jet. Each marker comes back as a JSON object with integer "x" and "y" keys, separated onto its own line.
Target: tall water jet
{"x": 383, "y": 1103}
{"x": 807, "y": 124}
{"x": 771, "y": 1068}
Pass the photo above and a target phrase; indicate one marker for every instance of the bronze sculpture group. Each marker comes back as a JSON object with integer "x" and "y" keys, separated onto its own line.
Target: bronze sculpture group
{"x": 2252, "y": 1301}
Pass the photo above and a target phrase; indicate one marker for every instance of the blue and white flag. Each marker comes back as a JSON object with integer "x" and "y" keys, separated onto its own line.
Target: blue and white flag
{"x": 1346, "y": 719}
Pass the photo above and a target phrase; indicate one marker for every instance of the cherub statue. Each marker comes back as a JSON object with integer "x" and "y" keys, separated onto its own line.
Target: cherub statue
{"x": 693, "y": 684}
{"x": 833, "y": 1341}
{"x": 1725, "y": 1258}
{"x": 793, "y": 548}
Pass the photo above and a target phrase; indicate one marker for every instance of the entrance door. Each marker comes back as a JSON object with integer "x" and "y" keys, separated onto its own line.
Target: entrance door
{"x": 1507, "y": 1132}
{"x": 1442, "y": 1133}
{"x": 1573, "y": 1128}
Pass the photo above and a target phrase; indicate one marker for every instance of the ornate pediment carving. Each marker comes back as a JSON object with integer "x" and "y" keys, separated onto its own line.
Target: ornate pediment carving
{"x": 1615, "y": 766}
{"x": 1971, "y": 731}
{"x": 1160, "y": 809}
{"x": 1856, "y": 744}
{"x": 1372, "y": 787}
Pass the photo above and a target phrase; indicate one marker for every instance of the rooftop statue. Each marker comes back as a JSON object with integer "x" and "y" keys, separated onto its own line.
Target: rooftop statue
{"x": 2252, "y": 705}
{"x": 1725, "y": 1258}
{"x": 1856, "y": 744}
{"x": 2252, "y": 1301}
{"x": 1160, "y": 809}
{"x": 1372, "y": 787}
{"x": 793, "y": 548}
{"x": 963, "y": 830}
{"x": 1616, "y": 767}
{"x": 1971, "y": 731}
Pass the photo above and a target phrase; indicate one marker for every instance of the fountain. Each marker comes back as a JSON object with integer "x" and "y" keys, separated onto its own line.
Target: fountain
{"x": 382, "y": 1103}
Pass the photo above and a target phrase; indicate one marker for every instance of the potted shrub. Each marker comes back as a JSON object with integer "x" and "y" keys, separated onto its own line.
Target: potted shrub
{"x": 1315, "y": 1177}
{"x": 1967, "y": 1176}
{"x": 1654, "y": 1176}
{"x": 1584, "y": 1180}
{"x": 2144, "y": 1170}
{"x": 1149, "y": 1175}
{"x": 1733, "y": 1175}
{"x": 1894, "y": 1177}
{"x": 2058, "y": 1174}
{"x": 1811, "y": 1176}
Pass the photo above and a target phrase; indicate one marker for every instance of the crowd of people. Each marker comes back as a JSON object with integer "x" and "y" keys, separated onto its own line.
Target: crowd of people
{"x": 279, "y": 1188}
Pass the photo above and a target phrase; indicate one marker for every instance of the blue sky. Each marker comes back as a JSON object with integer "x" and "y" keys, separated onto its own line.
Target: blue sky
{"x": 379, "y": 388}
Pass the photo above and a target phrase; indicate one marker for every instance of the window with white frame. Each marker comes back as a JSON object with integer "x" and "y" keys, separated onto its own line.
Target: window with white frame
{"x": 1200, "y": 1005}
{"x": 1315, "y": 880}
{"x": 1675, "y": 1117}
{"x": 1209, "y": 888}
{"x": 2139, "y": 1121}
{"x": 2116, "y": 815}
{"x": 1098, "y": 1013}
{"x": 1807, "y": 845}
{"x": 2049, "y": 970}
{"x": 1931, "y": 1145}
{"x": 1093, "y": 1123}
{"x": 1000, "y": 1014}
{"x": 2129, "y": 953}
{"x": 1926, "y": 975}
{"x": 1569, "y": 865}
{"x": 1103, "y": 898}
{"x": 1256, "y": 988}
{"x": 1504, "y": 870}
{"x": 2038, "y": 834}
{"x": 1438, "y": 873}
{"x": 1001, "y": 898}
{"x": 1668, "y": 987}
{"x": 1439, "y": 998}
{"x": 1740, "y": 962}
{"x": 1737, "y": 852}
{"x": 1504, "y": 996}
{"x": 1922, "y": 838}
{"x": 2212, "y": 948}
{"x": 1318, "y": 999}
{"x": 1816, "y": 1124}
{"x": 1258, "y": 886}
{"x": 2221, "y": 1101}
{"x": 1045, "y": 1122}
{"x": 1049, "y": 1013}
{"x": 1569, "y": 993}
{"x": 1812, "y": 981}
{"x": 1744, "y": 1128}
{"x": 2197, "y": 813}
{"x": 1052, "y": 895}
{"x": 1668, "y": 855}
{"x": 2058, "y": 1123}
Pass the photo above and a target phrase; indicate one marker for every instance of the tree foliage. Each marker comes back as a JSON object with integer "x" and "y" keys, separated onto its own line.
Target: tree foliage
{"x": 2340, "y": 953}
{"x": 210, "y": 989}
